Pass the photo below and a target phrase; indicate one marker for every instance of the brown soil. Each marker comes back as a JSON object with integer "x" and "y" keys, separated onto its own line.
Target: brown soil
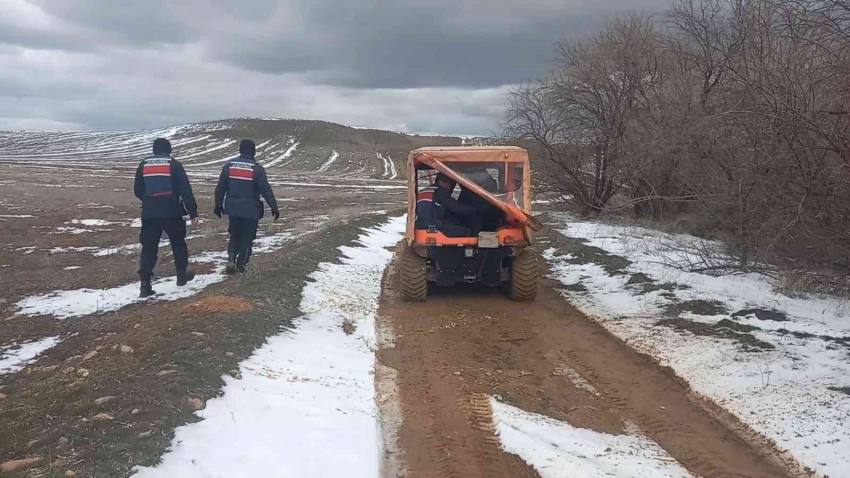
{"x": 91, "y": 407}
{"x": 218, "y": 303}
{"x": 462, "y": 346}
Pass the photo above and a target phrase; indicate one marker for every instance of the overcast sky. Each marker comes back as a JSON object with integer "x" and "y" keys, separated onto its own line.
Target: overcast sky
{"x": 440, "y": 66}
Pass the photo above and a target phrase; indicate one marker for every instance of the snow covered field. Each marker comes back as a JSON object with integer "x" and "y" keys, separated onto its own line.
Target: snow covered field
{"x": 780, "y": 364}
{"x": 305, "y": 405}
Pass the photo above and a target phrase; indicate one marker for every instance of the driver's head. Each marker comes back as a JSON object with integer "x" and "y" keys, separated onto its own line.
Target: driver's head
{"x": 445, "y": 182}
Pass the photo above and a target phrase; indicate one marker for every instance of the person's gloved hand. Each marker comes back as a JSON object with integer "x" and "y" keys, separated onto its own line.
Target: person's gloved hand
{"x": 276, "y": 214}
{"x": 217, "y": 211}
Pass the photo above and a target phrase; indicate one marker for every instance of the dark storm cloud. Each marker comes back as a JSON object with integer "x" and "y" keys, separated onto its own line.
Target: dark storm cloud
{"x": 440, "y": 66}
{"x": 410, "y": 44}
{"x": 147, "y": 22}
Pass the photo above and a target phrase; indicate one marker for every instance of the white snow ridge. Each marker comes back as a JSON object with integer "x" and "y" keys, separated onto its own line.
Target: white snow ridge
{"x": 305, "y": 407}
{"x": 331, "y": 160}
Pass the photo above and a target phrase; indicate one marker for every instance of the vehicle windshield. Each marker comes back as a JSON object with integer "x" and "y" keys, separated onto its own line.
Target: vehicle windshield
{"x": 504, "y": 180}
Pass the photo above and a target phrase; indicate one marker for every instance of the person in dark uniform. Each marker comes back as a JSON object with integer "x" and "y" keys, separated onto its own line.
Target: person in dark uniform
{"x": 435, "y": 207}
{"x": 240, "y": 185}
{"x": 163, "y": 187}
{"x": 489, "y": 217}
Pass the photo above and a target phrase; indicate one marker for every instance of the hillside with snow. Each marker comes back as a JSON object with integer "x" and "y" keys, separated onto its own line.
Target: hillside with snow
{"x": 282, "y": 144}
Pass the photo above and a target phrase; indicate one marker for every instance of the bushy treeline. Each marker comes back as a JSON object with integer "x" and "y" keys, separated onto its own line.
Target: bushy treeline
{"x": 731, "y": 114}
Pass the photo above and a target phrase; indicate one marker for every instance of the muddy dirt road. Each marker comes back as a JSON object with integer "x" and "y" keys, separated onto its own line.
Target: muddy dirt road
{"x": 457, "y": 349}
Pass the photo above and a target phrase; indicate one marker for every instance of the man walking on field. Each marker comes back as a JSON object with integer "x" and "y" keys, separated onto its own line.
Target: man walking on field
{"x": 240, "y": 186}
{"x": 163, "y": 187}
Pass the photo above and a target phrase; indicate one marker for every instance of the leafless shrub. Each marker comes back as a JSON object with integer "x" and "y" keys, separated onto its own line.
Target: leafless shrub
{"x": 732, "y": 113}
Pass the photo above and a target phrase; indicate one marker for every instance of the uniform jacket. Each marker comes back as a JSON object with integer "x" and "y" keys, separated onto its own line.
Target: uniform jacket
{"x": 163, "y": 187}
{"x": 240, "y": 185}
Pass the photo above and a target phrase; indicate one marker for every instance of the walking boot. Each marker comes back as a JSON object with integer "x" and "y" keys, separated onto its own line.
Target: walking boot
{"x": 146, "y": 290}
{"x": 230, "y": 268}
{"x": 184, "y": 276}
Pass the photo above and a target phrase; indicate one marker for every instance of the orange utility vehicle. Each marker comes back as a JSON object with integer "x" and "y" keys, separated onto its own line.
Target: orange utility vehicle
{"x": 498, "y": 254}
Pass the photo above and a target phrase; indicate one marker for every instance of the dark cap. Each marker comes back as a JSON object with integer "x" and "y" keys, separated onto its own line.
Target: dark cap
{"x": 247, "y": 148}
{"x": 161, "y": 146}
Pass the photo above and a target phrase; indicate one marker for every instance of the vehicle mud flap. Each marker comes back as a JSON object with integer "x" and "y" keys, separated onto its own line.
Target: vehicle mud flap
{"x": 491, "y": 266}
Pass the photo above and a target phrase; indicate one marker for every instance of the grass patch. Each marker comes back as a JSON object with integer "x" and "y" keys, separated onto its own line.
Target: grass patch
{"x": 762, "y": 314}
{"x": 845, "y": 341}
{"x": 698, "y": 307}
{"x": 582, "y": 253}
{"x": 665, "y": 286}
{"x": 640, "y": 278}
{"x": 577, "y": 287}
{"x": 844, "y": 390}
{"x": 735, "y": 326}
{"x": 725, "y": 329}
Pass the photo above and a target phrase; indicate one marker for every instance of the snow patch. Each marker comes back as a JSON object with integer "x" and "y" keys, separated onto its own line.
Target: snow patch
{"x": 305, "y": 405}
{"x": 16, "y": 216}
{"x": 120, "y": 249}
{"x": 286, "y": 154}
{"x": 576, "y": 379}
{"x": 215, "y": 148}
{"x": 270, "y": 243}
{"x": 70, "y": 268}
{"x": 62, "y": 250}
{"x": 787, "y": 390}
{"x": 558, "y": 450}
{"x": 331, "y": 160}
{"x": 91, "y": 222}
{"x": 81, "y": 302}
{"x": 15, "y": 356}
{"x": 71, "y": 230}
{"x": 389, "y": 166}
{"x": 341, "y": 186}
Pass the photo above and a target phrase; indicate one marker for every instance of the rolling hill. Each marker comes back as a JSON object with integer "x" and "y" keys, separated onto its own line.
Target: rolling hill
{"x": 282, "y": 145}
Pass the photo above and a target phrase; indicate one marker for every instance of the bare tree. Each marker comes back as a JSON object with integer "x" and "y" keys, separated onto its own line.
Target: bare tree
{"x": 580, "y": 113}
{"x": 734, "y": 114}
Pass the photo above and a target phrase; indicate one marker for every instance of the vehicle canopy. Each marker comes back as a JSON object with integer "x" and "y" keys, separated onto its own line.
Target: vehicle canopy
{"x": 498, "y": 174}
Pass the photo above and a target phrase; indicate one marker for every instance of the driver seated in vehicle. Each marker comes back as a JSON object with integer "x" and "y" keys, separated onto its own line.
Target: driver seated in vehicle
{"x": 436, "y": 208}
{"x": 489, "y": 217}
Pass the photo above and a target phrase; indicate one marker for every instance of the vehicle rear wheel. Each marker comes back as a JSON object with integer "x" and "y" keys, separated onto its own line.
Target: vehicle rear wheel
{"x": 414, "y": 277}
{"x": 524, "y": 275}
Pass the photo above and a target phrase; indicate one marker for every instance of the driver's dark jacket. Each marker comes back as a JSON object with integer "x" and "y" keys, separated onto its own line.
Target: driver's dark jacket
{"x": 444, "y": 209}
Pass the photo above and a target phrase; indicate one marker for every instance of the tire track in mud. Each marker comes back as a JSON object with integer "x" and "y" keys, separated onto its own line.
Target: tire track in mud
{"x": 461, "y": 346}
{"x": 448, "y": 433}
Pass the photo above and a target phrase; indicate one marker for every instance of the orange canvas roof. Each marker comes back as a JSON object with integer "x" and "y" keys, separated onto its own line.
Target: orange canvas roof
{"x": 478, "y": 154}
{"x": 510, "y": 209}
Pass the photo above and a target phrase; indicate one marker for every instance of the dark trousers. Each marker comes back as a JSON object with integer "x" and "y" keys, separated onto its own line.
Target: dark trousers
{"x": 242, "y": 231}
{"x": 152, "y": 230}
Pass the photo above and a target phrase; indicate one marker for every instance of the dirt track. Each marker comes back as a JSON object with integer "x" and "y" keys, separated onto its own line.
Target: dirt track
{"x": 455, "y": 350}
